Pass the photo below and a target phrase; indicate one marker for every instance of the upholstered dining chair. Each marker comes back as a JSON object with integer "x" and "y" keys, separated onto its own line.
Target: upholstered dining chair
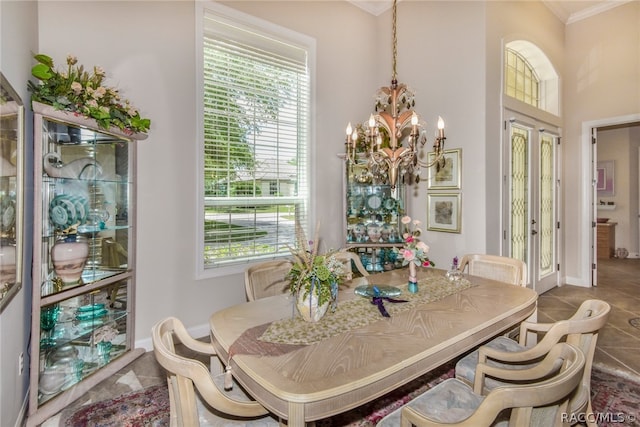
{"x": 541, "y": 401}
{"x": 581, "y": 330}
{"x": 351, "y": 259}
{"x": 183, "y": 374}
{"x": 267, "y": 279}
{"x": 495, "y": 267}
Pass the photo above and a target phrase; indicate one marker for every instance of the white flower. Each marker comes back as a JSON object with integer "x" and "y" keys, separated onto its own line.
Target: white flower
{"x": 76, "y": 88}
{"x": 99, "y": 92}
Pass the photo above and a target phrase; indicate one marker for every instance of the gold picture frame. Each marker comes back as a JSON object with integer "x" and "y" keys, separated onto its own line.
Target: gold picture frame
{"x": 449, "y": 176}
{"x": 444, "y": 212}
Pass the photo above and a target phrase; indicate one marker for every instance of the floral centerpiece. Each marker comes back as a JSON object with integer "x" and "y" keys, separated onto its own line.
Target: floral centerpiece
{"x": 414, "y": 252}
{"x": 314, "y": 277}
{"x": 84, "y": 93}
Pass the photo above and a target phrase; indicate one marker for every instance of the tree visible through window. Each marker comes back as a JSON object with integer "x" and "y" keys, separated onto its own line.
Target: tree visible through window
{"x": 255, "y": 128}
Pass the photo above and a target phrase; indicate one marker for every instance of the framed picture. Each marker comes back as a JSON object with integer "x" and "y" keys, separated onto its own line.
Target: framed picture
{"x": 448, "y": 176}
{"x": 605, "y": 178}
{"x": 444, "y": 212}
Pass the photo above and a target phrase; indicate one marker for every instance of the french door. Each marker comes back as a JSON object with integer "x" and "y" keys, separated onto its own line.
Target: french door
{"x": 530, "y": 198}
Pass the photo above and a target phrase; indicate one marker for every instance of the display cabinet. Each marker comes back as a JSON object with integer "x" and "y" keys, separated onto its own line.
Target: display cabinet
{"x": 83, "y": 258}
{"x": 372, "y": 216}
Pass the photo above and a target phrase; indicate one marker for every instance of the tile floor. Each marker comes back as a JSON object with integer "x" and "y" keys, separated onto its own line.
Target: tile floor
{"x": 618, "y": 344}
{"x": 619, "y": 284}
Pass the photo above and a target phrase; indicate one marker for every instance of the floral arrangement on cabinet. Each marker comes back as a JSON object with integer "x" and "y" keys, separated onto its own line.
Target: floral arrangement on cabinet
{"x": 415, "y": 250}
{"x": 312, "y": 271}
{"x": 84, "y": 93}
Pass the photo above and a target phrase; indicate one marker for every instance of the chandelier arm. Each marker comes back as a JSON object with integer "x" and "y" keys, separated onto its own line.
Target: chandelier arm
{"x": 433, "y": 162}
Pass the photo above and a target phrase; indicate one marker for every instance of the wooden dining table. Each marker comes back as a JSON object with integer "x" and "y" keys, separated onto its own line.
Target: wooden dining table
{"x": 348, "y": 367}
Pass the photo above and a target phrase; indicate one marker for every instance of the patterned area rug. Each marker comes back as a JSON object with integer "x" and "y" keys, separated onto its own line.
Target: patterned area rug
{"x": 616, "y": 401}
{"x": 144, "y": 408}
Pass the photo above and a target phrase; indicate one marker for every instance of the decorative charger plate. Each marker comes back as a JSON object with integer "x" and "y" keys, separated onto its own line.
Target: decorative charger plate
{"x": 8, "y": 213}
{"x": 383, "y": 291}
{"x": 374, "y": 202}
{"x": 62, "y": 212}
{"x": 390, "y": 204}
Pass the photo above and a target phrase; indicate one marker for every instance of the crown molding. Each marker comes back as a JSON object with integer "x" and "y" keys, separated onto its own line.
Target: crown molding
{"x": 374, "y": 7}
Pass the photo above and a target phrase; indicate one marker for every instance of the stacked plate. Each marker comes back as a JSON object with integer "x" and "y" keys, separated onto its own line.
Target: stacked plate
{"x": 66, "y": 210}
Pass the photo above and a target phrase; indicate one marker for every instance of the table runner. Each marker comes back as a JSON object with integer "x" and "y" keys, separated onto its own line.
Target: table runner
{"x": 357, "y": 313}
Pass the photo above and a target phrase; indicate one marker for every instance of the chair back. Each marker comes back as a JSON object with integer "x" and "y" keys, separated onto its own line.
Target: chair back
{"x": 531, "y": 401}
{"x": 351, "y": 259}
{"x": 496, "y": 267}
{"x": 183, "y": 374}
{"x": 267, "y": 279}
{"x": 537, "y": 395}
{"x": 582, "y": 330}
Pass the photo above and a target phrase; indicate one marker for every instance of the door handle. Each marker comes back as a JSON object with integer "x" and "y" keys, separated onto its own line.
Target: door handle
{"x": 534, "y": 232}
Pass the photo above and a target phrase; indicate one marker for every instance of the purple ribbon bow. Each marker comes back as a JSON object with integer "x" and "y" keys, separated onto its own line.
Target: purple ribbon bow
{"x": 379, "y": 301}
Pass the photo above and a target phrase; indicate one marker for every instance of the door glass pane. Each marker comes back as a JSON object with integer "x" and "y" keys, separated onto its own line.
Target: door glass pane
{"x": 547, "y": 197}
{"x": 519, "y": 192}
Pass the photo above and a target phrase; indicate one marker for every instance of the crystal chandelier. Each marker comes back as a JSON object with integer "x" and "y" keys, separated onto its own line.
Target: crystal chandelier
{"x": 391, "y": 139}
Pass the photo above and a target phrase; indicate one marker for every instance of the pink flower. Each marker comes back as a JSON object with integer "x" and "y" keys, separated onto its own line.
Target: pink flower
{"x": 405, "y": 220}
{"x": 408, "y": 255}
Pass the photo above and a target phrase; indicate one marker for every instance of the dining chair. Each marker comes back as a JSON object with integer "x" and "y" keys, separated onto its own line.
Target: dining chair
{"x": 495, "y": 267}
{"x": 267, "y": 279}
{"x": 186, "y": 375}
{"x": 539, "y": 397}
{"x": 581, "y": 330}
{"x": 351, "y": 259}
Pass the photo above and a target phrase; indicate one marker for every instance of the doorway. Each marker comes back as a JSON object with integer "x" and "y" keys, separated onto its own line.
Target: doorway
{"x": 628, "y": 222}
{"x": 531, "y": 198}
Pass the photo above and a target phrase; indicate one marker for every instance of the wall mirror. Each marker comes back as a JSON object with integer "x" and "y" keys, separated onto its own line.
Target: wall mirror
{"x": 11, "y": 191}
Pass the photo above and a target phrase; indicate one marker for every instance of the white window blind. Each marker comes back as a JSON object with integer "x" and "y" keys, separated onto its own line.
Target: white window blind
{"x": 255, "y": 127}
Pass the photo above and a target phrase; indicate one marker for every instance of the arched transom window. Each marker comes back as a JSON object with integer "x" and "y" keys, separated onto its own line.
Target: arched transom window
{"x": 530, "y": 77}
{"x": 521, "y": 81}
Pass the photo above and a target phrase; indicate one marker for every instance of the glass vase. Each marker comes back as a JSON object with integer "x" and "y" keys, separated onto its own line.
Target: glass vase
{"x": 307, "y": 303}
{"x": 413, "y": 280}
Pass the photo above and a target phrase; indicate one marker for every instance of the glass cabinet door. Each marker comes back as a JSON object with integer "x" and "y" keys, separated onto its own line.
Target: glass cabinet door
{"x": 85, "y": 204}
{"x": 80, "y": 335}
{"x": 372, "y": 217}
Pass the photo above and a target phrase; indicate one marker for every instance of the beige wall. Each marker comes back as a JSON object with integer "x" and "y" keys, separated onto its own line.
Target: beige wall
{"x": 18, "y": 37}
{"x": 602, "y": 81}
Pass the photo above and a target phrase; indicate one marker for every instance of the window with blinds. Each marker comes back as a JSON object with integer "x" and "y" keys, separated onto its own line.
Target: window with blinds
{"x": 256, "y": 90}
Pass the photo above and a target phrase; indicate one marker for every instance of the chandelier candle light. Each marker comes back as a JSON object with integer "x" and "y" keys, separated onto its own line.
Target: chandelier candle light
{"x": 394, "y": 122}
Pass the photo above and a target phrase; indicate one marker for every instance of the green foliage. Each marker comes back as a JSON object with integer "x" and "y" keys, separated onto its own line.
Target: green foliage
{"x": 78, "y": 91}
{"x": 245, "y": 189}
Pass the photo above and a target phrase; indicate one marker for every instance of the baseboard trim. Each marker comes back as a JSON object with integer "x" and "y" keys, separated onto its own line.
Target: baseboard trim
{"x": 198, "y": 331}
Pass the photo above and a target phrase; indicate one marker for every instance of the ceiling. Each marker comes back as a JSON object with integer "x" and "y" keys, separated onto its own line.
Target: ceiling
{"x": 567, "y": 11}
